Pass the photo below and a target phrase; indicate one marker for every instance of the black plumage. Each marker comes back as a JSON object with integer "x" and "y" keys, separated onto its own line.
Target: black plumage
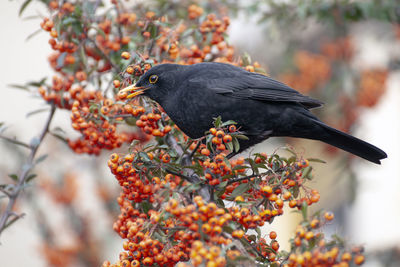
{"x": 193, "y": 95}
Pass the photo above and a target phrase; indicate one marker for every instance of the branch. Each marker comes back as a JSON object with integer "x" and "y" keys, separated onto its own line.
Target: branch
{"x": 246, "y": 177}
{"x": 191, "y": 176}
{"x": 25, "y": 169}
{"x": 187, "y": 178}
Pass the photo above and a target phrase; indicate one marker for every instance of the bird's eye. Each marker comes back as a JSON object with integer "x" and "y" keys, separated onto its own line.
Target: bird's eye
{"x": 153, "y": 79}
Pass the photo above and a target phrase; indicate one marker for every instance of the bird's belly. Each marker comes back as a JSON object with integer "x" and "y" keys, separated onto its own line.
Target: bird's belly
{"x": 195, "y": 118}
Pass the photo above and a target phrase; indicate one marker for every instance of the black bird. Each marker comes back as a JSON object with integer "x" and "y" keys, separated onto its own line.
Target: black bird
{"x": 195, "y": 94}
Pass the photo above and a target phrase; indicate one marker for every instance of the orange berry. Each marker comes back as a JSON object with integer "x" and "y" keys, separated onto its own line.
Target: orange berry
{"x": 205, "y": 152}
{"x": 279, "y": 202}
{"x": 266, "y": 189}
{"x": 273, "y": 197}
{"x": 216, "y": 141}
{"x": 227, "y": 138}
{"x": 80, "y": 75}
{"x": 125, "y": 55}
{"x": 314, "y": 223}
{"x": 148, "y": 261}
{"x": 292, "y": 203}
{"x": 135, "y": 263}
{"x": 213, "y": 131}
{"x": 129, "y": 70}
{"x": 146, "y": 34}
{"x": 272, "y": 235}
{"x": 238, "y": 234}
{"x": 206, "y": 228}
{"x": 359, "y": 259}
{"x": 275, "y": 245}
{"x": 346, "y": 256}
{"x": 287, "y": 195}
{"x": 104, "y": 110}
{"x": 239, "y": 198}
{"x": 232, "y": 128}
{"x": 114, "y": 157}
{"x": 117, "y": 83}
{"x": 166, "y": 158}
{"x": 167, "y": 129}
{"x": 156, "y": 132}
{"x": 309, "y": 235}
{"x": 220, "y": 134}
{"x": 329, "y": 216}
{"x": 125, "y": 40}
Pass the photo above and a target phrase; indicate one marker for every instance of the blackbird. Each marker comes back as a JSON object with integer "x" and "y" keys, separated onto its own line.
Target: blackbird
{"x": 193, "y": 95}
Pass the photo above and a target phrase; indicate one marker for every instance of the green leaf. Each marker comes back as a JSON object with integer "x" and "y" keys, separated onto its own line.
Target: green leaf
{"x": 131, "y": 121}
{"x": 252, "y": 238}
{"x": 258, "y": 231}
{"x": 17, "y": 86}
{"x": 14, "y": 177}
{"x": 230, "y": 122}
{"x": 23, "y": 7}
{"x": 253, "y": 165}
{"x": 246, "y": 59}
{"x": 316, "y": 160}
{"x": 304, "y": 207}
{"x": 143, "y": 156}
{"x": 59, "y": 137}
{"x": 236, "y": 144}
{"x": 240, "y": 190}
{"x": 241, "y": 136}
{"x": 39, "y": 83}
{"x": 30, "y": 177}
{"x": 146, "y": 206}
{"x": 307, "y": 173}
{"x": 36, "y": 112}
{"x": 217, "y": 122}
{"x": 191, "y": 188}
{"x": 41, "y": 158}
{"x": 229, "y": 146}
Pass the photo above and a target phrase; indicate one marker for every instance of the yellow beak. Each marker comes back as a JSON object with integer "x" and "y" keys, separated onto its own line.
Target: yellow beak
{"x": 133, "y": 91}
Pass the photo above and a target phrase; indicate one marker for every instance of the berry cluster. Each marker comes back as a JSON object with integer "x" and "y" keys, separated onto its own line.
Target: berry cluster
{"x": 308, "y": 78}
{"x": 200, "y": 231}
{"x": 309, "y": 248}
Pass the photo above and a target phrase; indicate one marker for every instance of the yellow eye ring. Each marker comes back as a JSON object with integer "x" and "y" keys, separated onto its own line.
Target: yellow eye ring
{"x": 153, "y": 78}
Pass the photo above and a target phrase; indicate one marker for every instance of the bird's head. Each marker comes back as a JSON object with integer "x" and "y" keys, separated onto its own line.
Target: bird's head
{"x": 156, "y": 83}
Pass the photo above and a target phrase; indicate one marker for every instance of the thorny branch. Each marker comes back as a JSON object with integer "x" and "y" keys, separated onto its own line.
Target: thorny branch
{"x": 189, "y": 174}
{"x": 8, "y": 216}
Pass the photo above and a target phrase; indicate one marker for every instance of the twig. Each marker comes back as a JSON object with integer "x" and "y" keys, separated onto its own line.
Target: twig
{"x": 246, "y": 177}
{"x": 187, "y": 178}
{"x": 14, "y": 141}
{"x": 195, "y": 149}
{"x": 26, "y": 168}
{"x": 5, "y": 192}
{"x": 107, "y": 58}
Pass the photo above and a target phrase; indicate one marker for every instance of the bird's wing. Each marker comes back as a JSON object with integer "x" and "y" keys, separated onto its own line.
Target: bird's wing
{"x": 247, "y": 85}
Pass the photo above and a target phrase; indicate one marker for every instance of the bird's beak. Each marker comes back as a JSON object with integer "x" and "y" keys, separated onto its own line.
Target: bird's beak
{"x": 133, "y": 90}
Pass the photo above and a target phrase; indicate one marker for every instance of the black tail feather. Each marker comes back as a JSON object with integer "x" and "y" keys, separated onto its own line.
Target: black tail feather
{"x": 351, "y": 144}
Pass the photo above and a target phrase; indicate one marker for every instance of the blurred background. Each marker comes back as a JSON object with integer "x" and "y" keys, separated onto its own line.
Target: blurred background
{"x": 345, "y": 53}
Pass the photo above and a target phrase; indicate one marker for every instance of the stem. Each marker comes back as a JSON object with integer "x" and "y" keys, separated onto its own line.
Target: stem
{"x": 26, "y": 168}
{"x": 246, "y": 177}
{"x": 14, "y": 141}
